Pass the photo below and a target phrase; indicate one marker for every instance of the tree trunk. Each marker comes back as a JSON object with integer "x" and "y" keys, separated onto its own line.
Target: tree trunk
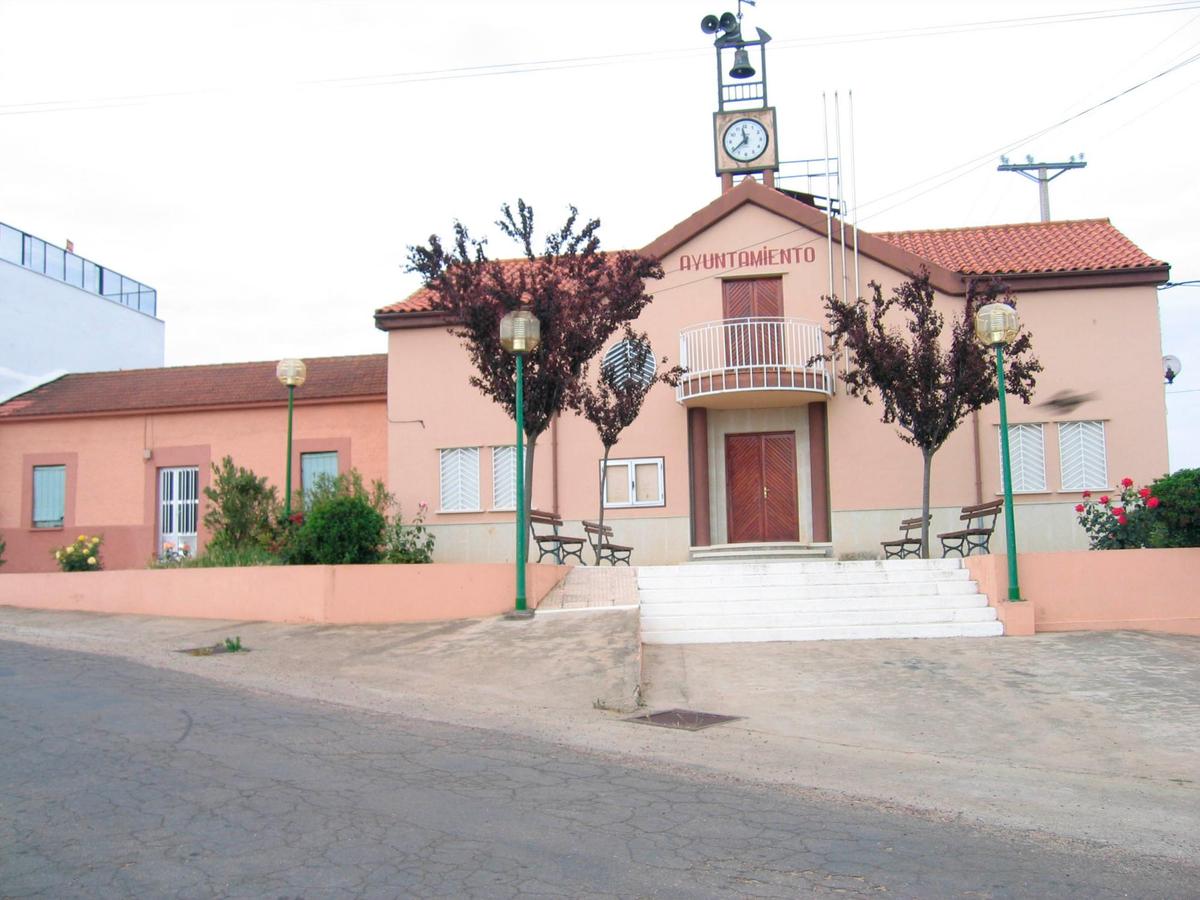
{"x": 603, "y": 484}
{"x": 928, "y": 457}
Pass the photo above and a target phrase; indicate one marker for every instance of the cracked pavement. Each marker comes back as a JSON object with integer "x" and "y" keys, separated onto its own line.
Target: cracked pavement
{"x": 122, "y": 780}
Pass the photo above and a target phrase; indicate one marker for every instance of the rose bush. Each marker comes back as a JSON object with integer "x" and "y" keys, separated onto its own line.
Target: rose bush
{"x": 83, "y": 555}
{"x": 1120, "y": 523}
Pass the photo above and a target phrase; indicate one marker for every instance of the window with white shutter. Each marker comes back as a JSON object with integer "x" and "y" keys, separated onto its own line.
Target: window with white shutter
{"x": 504, "y": 477}
{"x": 178, "y": 509}
{"x": 460, "y": 479}
{"x": 1027, "y": 453}
{"x": 1082, "y": 455}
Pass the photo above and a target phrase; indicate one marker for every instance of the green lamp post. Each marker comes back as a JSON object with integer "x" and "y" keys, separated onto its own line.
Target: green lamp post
{"x": 291, "y": 373}
{"x": 996, "y": 324}
{"x": 520, "y": 332}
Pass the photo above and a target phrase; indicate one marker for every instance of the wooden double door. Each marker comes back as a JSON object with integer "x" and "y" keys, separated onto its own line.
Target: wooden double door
{"x": 760, "y": 487}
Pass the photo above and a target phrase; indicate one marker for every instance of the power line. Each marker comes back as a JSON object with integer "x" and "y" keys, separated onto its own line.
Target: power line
{"x": 556, "y": 64}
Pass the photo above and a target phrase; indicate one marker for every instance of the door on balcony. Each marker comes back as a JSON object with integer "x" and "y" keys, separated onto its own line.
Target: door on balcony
{"x": 760, "y": 487}
{"x": 754, "y": 337}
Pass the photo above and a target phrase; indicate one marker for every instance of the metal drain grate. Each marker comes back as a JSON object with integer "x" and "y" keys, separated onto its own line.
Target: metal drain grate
{"x": 685, "y": 719}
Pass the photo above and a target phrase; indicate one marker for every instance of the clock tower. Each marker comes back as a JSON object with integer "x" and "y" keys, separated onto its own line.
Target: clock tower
{"x": 745, "y": 141}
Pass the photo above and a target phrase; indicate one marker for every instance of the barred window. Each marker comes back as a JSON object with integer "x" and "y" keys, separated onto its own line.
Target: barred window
{"x": 460, "y": 479}
{"x": 1083, "y": 456}
{"x": 1027, "y": 454}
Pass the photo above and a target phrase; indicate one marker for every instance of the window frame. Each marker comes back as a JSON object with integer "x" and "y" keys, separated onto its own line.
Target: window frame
{"x": 512, "y": 448}
{"x": 41, "y": 524}
{"x": 442, "y": 508}
{"x": 1022, "y": 427}
{"x": 181, "y": 509}
{"x": 631, "y": 464}
{"x": 1103, "y": 485}
{"x": 308, "y": 452}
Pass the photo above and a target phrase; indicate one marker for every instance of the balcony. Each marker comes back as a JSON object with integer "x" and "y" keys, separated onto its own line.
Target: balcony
{"x": 752, "y": 362}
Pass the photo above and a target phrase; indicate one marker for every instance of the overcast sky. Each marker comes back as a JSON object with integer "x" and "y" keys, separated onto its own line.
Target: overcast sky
{"x": 265, "y": 164}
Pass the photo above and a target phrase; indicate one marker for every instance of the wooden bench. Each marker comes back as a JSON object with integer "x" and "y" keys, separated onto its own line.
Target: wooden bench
{"x": 551, "y": 543}
{"x": 601, "y": 540}
{"x": 974, "y": 537}
{"x": 904, "y": 547}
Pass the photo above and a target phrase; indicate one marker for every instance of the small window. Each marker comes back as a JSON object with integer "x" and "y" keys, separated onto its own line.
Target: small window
{"x": 313, "y": 466}
{"x": 1027, "y": 454}
{"x": 634, "y": 482}
{"x": 504, "y": 477}
{"x": 1083, "y": 457}
{"x": 49, "y": 496}
{"x": 460, "y": 479}
{"x": 178, "y": 509}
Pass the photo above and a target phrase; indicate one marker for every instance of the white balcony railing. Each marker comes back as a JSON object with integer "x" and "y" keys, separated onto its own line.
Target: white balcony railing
{"x": 752, "y": 355}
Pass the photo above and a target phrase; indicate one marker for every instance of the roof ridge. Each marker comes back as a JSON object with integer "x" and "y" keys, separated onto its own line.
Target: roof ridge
{"x": 1098, "y": 220}
{"x": 209, "y": 366}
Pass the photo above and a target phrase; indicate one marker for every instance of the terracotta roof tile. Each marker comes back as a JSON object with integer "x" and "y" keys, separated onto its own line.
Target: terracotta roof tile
{"x": 1082, "y": 245}
{"x": 231, "y": 384}
{"x": 421, "y": 300}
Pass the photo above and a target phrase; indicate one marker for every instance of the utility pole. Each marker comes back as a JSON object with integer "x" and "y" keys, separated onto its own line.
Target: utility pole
{"x": 1040, "y": 172}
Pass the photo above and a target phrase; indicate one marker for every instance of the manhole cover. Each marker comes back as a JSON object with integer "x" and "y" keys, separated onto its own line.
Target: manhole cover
{"x": 686, "y": 719}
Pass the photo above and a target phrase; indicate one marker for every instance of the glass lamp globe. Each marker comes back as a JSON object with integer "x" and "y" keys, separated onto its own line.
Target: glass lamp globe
{"x": 996, "y": 323}
{"x": 520, "y": 331}
{"x": 291, "y": 372}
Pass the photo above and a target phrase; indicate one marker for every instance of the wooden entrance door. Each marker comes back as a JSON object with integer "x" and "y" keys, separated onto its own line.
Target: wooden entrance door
{"x": 760, "y": 487}
{"x": 745, "y": 304}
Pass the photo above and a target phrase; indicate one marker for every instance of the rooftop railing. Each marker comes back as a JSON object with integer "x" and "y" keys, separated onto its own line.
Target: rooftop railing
{"x": 39, "y": 256}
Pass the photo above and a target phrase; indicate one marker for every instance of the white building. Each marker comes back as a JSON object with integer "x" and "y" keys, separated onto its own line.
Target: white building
{"x": 62, "y": 313}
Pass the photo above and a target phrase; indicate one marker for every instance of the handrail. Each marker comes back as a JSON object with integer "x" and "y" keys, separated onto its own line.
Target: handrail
{"x": 752, "y": 354}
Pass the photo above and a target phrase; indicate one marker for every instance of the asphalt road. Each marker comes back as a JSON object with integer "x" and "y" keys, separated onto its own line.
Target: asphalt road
{"x": 121, "y": 780}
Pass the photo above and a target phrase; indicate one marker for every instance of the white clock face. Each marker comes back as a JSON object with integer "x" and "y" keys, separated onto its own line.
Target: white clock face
{"x": 745, "y": 139}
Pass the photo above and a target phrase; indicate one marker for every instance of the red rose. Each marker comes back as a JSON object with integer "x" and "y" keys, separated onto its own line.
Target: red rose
{"x": 1122, "y": 520}
{"x": 1104, "y": 500}
{"x": 1117, "y": 511}
{"x": 1126, "y": 482}
{"x": 1079, "y": 508}
{"x": 1144, "y": 492}
{"x": 1152, "y": 502}
{"x": 1087, "y": 494}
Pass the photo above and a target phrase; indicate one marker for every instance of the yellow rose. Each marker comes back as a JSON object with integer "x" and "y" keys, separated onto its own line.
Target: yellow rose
{"x": 91, "y": 560}
{"x": 58, "y": 554}
{"x": 82, "y": 537}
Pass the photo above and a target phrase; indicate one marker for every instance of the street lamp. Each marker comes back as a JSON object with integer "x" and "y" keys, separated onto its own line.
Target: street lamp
{"x": 291, "y": 373}
{"x": 520, "y": 332}
{"x": 996, "y": 324}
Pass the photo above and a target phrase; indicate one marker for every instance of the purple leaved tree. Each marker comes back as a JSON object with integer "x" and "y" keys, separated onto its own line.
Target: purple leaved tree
{"x": 927, "y": 384}
{"x": 627, "y": 374}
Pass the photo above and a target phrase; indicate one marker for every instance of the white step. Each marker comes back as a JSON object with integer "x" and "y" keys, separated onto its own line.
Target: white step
{"x": 811, "y": 600}
{"x": 826, "y": 633}
{"x": 724, "y": 605}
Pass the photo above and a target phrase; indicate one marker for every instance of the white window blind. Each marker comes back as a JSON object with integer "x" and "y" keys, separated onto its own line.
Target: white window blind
{"x": 634, "y": 482}
{"x": 1028, "y": 457}
{"x": 49, "y": 496}
{"x": 1083, "y": 456}
{"x": 314, "y": 465}
{"x": 178, "y": 508}
{"x": 460, "y": 479}
{"x": 504, "y": 478}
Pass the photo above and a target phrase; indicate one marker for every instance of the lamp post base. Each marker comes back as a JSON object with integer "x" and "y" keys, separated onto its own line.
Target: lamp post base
{"x": 519, "y": 614}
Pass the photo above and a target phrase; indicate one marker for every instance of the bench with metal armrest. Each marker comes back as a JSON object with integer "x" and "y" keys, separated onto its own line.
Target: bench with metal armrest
{"x": 551, "y": 543}
{"x": 904, "y": 547}
{"x": 601, "y": 540}
{"x": 981, "y": 522}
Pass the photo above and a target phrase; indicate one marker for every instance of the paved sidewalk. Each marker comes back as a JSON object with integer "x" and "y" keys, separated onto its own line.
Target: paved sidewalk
{"x": 1084, "y": 736}
{"x": 593, "y": 587}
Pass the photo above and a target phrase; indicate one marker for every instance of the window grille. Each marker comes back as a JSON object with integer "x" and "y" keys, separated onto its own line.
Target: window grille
{"x": 178, "y": 508}
{"x": 1083, "y": 455}
{"x": 1027, "y": 454}
{"x": 504, "y": 477}
{"x": 460, "y": 479}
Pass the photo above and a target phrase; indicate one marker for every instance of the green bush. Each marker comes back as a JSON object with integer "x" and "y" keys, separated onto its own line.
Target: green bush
{"x": 409, "y": 542}
{"x": 83, "y": 555}
{"x": 3, "y": 546}
{"x": 1177, "y": 518}
{"x": 242, "y": 509}
{"x": 337, "y": 530}
{"x": 229, "y": 557}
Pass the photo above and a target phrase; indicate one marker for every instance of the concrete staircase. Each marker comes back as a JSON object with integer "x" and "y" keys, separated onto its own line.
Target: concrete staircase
{"x": 810, "y": 601}
{"x": 770, "y": 552}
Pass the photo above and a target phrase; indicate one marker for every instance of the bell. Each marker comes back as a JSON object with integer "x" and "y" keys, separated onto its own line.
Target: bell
{"x": 741, "y": 64}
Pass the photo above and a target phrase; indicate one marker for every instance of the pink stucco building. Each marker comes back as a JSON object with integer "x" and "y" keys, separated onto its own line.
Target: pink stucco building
{"x": 757, "y": 445}
{"x": 128, "y": 454}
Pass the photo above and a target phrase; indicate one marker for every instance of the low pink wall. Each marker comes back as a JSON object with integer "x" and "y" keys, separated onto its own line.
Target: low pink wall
{"x": 331, "y": 594}
{"x": 1097, "y": 590}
